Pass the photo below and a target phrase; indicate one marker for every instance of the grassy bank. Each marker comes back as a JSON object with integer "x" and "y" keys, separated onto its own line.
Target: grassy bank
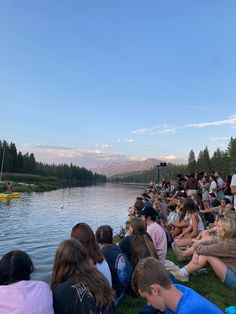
{"x": 29, "y": 182}
{"x": 207, "y": 285}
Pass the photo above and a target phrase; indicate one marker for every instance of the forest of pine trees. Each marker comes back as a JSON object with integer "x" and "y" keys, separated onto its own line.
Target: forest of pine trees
{"x": 16, "y": 162}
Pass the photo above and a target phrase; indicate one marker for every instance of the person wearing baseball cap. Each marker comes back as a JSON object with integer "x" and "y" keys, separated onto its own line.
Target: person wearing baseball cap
{"x": 157, "y": 233}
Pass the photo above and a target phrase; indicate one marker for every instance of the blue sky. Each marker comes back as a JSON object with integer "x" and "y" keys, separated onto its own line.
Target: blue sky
{"x": 98, "y": 81}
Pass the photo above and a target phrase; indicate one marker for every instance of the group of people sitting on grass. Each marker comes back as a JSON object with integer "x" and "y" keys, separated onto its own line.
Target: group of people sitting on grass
{"x": 91, "y": 274}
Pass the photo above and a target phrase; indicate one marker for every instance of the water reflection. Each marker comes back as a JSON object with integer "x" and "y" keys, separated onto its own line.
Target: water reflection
{"x": 38, "y": 222}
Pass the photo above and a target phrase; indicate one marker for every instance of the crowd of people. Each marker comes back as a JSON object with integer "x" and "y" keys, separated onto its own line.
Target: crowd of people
{"x": 195, "y": 215}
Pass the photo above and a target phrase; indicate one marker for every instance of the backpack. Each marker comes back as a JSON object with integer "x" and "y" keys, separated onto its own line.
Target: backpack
{"x": 123, "y": 269}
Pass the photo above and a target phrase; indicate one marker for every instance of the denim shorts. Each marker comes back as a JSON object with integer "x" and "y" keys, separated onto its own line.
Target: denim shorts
{"x": 230, "y": 278}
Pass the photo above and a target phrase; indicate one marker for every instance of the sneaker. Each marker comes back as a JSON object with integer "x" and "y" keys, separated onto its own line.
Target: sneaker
{"x": 181, "y": 277}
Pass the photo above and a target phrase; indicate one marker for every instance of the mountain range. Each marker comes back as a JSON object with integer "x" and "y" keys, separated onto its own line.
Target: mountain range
{"x": 114, "y": 168}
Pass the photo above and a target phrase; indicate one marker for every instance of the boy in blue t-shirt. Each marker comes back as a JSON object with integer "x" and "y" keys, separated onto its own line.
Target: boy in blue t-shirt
{"x": 152, "y": 282}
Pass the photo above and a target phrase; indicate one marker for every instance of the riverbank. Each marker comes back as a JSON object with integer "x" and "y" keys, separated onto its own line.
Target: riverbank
{"x": 29, "y": 182}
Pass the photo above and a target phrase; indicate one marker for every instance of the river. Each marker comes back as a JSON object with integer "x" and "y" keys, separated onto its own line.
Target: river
{"x": 38, "y": 222}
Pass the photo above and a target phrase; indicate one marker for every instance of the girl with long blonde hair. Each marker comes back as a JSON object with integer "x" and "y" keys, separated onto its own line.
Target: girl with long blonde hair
{"x": 220, "y": 253}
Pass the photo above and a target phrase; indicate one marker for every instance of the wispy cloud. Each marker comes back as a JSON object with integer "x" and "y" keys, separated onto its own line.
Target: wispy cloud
{"x": 158, "y": 129}
{"x": 196, "y": 108}
{"x": 129, "y": 140}
{"x": 59, "y": 154}
{"x": 104, "y": 146}
{"x": 230, "y": 121}
{"x": 166, "y": 129}
{"x": 220, "y": 139}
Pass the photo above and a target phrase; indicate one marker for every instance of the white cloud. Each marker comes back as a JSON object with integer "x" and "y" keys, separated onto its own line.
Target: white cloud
{"x": 196, "y": 108}
{"x": 170, "y": 129}
{"x": 57, "y": 155}
{"x": 220, "y": 139}
{"x": 130, "y": 140}
{"x": 230, "y": 121}
{"x": 158, "y": 129}
{"x": 170, "y": 157}
{"x": 136, "y": 158}
{"x": 104, "y": 146}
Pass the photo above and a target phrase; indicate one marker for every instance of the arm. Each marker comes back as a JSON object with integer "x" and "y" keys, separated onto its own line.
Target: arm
{"x": 218, "y": 249}
{"x": 207, "y": 210}
{"x": 187, "y": 230}
{"x": 194, "y": 226}
{"x": 180, "y": 224}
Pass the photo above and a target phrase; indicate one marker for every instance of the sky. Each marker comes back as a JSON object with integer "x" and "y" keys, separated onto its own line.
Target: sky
{"x": 94, "y": 82}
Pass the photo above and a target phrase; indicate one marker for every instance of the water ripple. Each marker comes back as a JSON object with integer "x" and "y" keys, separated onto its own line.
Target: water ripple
{"x": 38, "y": 222}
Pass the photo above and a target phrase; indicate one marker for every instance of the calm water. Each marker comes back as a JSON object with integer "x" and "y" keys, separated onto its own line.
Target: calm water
{"x": 38, "y": 222}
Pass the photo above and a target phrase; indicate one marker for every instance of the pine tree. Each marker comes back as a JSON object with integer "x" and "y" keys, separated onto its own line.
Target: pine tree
{"x": 231, "y": 152}
{"x": 191, "y": 162}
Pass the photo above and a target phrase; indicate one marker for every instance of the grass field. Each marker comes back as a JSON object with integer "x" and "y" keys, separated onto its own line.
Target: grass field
{"x": 207, "y": 285}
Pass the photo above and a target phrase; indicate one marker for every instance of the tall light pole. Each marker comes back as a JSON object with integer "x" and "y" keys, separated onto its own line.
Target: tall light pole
{"x": 162, "y": 164}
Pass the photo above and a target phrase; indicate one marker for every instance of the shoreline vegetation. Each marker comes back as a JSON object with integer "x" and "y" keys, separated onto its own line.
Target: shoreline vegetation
{"x": 36, "y": 183}
{"x": 29, "y": 183}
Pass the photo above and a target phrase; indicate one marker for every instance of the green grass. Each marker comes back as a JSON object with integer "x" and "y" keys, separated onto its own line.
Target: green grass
{"x": 208, "y": 285}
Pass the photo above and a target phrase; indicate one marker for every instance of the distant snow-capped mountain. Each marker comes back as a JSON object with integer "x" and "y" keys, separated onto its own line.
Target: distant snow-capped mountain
{"x": 114, "y": 168}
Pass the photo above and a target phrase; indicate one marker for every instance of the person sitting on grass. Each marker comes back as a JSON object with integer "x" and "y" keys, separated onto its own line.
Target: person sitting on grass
{"x": 138, "y": 243}
{"x": 191, "y": 214}
{"x": 19, "y": 294}
{"x": 78, "y": 287}
{"x": 119, "y": 265}
{"x": 219, "y": 253}
{"x": 152, "y": 282}
{"x": 157, "y": 233}
{"x": 206, "y": 235}
{"x": 85, "y": 235}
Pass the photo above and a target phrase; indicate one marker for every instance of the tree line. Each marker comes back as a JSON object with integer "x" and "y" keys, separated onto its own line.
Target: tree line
{"x": 222, "y": 161}
{"x": 16, "y": 162}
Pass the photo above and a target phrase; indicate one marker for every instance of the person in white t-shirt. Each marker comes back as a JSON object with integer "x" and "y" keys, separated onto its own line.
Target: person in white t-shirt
{"x": 233, "y": 187}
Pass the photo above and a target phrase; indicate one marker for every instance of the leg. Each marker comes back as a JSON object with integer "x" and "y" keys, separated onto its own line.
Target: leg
{"x": 188, "y": 252}
{"x": 197, "y": 262}
{"x": 218, "y": 266}
{"x": 176, "y": 232}
{"x": 183, "y": 242}
{"x": 216, "y": 263}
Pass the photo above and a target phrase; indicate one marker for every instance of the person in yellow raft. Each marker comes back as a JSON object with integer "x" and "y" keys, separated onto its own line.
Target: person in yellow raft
{"x": 10, "y": 188}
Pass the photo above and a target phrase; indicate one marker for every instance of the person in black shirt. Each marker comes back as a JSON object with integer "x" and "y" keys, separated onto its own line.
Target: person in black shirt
{"x": 78, "y": 287}
{"x": 119, "y": 265}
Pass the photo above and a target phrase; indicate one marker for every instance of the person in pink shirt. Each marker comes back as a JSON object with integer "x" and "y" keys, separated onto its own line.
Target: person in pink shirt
{"x": 157, "y": 233}
{"x": 19, "y": 294}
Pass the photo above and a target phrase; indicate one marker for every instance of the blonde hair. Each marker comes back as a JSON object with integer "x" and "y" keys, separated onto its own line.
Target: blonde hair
{"x": 229, "y": 227}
